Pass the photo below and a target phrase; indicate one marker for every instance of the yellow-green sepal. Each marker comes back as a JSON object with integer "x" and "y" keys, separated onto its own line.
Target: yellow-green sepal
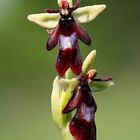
{"x": 61, "y": 94}
{"x": 88, "y": 13}
{"x": 100, "y": 86}
{"x": 45, "y": 20}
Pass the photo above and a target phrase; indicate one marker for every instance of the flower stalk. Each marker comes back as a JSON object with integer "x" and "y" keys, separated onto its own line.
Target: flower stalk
{"x": 72, "y": 102}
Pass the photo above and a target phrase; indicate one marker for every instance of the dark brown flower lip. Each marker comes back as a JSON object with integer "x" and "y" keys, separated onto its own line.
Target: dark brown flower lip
{"x": 69, "y": 58}
{"x": 103, "y": 79}
{"x": 82, "y": 125}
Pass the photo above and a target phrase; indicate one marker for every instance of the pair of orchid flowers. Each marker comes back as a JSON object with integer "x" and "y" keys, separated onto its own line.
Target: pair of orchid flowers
{"x": 63, "y": 27}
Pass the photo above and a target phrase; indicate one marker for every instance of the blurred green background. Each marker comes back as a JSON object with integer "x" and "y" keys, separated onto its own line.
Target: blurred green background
{"x": 27, "y": 71}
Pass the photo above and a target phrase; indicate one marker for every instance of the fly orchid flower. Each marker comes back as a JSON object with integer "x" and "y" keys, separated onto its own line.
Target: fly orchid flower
{"x": 82, "y": 125}
{"x": 63, "y": 28}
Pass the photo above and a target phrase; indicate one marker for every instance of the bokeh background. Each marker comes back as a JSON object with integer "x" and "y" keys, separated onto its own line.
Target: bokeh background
{"x": 27, "y": 71}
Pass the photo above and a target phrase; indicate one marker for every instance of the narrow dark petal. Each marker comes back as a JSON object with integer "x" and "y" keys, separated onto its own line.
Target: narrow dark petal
{"x": 103, "y": 79}
{"x": 83, "y": 35}
{"x": 51, "y": 11}
{"x": 53, "y": 39}
{"x": 77, "y": 4}
{"x": 74, "y": 102}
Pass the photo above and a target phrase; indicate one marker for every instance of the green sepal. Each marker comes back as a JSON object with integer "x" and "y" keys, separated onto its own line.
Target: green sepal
{"x": 100, "y": 86}
{"x": 61, "y": 94}
{"x": 88, "y": 13}
{"x": 88, "y": 62}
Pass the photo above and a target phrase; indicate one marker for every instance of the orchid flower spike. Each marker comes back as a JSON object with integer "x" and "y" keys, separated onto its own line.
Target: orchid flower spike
{"x": 64, "y": 29}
